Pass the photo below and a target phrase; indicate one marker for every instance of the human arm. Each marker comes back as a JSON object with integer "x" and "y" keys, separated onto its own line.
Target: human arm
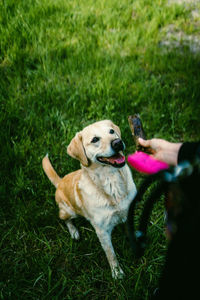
{"x": 162, "y": 150}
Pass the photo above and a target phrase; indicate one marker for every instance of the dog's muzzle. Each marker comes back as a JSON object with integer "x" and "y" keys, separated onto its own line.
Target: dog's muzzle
{"x": 117, "y": 145}
{"x": 117, "y": 160}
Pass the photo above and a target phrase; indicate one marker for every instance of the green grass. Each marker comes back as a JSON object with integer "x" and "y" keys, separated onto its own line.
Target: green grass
{"x": 63, "y": 65}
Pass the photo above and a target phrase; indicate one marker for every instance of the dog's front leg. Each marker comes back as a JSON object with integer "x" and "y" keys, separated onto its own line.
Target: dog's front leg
{"x": 106, "y": 243}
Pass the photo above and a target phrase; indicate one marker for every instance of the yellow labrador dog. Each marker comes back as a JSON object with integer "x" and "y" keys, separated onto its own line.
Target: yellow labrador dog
{"x": 101, "y": 190}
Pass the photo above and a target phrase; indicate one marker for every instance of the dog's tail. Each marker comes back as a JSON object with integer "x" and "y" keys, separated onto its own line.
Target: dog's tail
{"x": 50, "y": 172}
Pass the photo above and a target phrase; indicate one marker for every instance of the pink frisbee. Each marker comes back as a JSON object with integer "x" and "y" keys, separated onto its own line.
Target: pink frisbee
{"x": 145, "y": 163}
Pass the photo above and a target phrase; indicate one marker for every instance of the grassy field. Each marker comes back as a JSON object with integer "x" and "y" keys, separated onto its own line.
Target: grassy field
{"x": 63, "y": 65}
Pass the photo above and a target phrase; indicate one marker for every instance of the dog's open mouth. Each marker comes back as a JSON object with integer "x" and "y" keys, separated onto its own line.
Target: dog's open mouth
{"x": 117, "y": 160}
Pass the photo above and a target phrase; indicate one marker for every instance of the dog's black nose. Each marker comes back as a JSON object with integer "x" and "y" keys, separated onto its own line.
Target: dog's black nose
{"x": 117, "y": 145}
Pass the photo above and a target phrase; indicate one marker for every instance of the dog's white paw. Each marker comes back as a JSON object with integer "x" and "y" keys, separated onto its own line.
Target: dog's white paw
{"x": 75, "y": 235}
{"x": 73, "y": 231}
{"x": 117, "y": 273}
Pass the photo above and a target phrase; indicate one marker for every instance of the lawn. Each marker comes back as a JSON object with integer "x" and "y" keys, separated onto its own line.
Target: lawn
{"x": 63, "y": 65}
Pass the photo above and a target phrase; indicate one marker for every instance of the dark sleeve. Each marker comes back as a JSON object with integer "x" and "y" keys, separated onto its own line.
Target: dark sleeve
{"x": 188, "y": 151}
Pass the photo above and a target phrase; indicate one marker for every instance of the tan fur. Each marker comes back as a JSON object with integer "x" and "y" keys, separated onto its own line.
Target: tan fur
{"x": 67, "y": 189}
{"x": 76, "y": 150}
{"x": 100, "y": 193}
{"x": 49, "y": 170}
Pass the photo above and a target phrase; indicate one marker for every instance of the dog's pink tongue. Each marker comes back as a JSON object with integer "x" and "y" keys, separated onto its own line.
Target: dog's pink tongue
{"x": 118, "y": 158}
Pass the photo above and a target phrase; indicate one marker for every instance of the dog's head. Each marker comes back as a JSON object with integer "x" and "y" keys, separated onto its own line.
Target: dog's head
{"x": 98, "y": 143}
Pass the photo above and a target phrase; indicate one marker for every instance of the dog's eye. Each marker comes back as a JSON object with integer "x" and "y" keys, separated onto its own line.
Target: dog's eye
{"x": 111, "y": 131}
{"x": 95, "y": 140}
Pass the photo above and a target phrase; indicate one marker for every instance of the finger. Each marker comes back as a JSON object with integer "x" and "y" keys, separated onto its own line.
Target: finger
{"x": 144, "y": 143}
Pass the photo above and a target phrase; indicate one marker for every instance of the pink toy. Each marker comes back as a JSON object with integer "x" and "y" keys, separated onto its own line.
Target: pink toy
{"x": 145, "y": 163}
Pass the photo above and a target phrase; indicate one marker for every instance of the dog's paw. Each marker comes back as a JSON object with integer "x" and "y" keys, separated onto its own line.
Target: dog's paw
{"x": 73, "y": 231}
{"x": 117, "y": 273}
{"x": 75, "y": 234}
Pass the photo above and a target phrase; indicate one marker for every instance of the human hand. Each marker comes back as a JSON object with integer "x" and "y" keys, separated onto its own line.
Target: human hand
{"x": 162, "y": 150}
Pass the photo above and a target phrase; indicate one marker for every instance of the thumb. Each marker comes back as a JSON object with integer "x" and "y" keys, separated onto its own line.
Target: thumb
{"x": 144, "y": 143}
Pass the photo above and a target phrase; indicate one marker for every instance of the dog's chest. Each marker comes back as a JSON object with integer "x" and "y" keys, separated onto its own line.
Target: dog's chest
{"x": 113, "y": 185}
{"x": 108, "y": 195}
{"x": 109, "y": 184}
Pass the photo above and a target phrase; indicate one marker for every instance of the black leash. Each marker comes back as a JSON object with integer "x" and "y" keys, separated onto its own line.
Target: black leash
{"x": 163, "y": 180}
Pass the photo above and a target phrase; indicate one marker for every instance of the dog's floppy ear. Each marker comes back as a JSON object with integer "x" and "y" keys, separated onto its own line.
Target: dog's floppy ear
{"x": 76, "y": 149}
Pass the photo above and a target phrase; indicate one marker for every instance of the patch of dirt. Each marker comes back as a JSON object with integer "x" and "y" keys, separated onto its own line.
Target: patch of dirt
{"x": 176, "y": 38}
